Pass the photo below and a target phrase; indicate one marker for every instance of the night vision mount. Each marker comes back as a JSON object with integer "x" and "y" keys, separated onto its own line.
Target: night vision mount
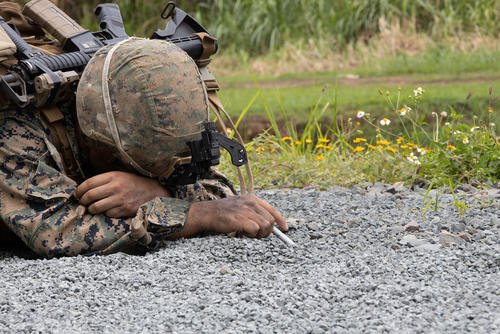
{"x": 205, "y": 153}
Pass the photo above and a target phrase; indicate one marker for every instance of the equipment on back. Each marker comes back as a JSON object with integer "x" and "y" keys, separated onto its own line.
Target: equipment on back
{"x": 39, "y": 79}
{"x": 169, "y": 136}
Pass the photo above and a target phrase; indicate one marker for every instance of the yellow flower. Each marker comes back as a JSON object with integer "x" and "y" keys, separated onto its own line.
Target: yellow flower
{"x": 490, "y": 110}
{"x": 383, "y": 142}
{"x": 358, "y": 149}
{"x": 260, "y": 149}
{"x": 385, "y": 121}
{"x": 359, "y": 140}
{"x": 451, "y": 147}
{"x": 371, "y": 147}
{"x": 323, "y": 140}
{"x": 404, "y": 147}
{"x": 412, "y": 145}
{"x": 380, "y": 147}
{"x": 309, "y": 141}
{"x": 319, "y": 157}
{"x": 286, "y": 138}
{"x": 399, "y": 140}
{"x": 391, "y": 149}
{"x": 273, "y": 149}
{"x": 298, "y": 142}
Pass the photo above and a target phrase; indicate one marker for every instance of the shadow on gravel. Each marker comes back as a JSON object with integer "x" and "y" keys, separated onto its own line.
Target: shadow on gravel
{"x": 16, "y": 248}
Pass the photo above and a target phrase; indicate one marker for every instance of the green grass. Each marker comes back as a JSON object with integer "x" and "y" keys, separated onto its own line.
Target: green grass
{"x": 298, "y": 101}
{"x": 447, "y": 148}
{"x": 257, "y": 27}
{"x": 456, "y": 79}
{"x": 437, "y": 61}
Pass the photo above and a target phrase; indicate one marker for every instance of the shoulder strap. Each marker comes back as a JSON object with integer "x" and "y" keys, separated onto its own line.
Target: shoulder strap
{"x": 54, "y": 119}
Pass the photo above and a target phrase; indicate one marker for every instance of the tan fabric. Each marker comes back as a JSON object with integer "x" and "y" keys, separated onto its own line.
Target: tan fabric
{"x": 12, "y": 13}
{"x": 7, "y": 47}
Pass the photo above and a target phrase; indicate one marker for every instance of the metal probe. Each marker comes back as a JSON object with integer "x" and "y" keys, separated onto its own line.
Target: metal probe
{"x": 289, "y": 242}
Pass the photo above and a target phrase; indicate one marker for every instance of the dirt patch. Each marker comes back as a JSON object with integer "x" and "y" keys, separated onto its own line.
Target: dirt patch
{"x": 355, "y": 81}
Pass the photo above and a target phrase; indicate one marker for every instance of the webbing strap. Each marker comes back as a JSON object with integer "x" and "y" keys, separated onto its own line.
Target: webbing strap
{"x": 108, "y": 107}
{"x": 208, "y": 48}
{"x": 55, "y": 120}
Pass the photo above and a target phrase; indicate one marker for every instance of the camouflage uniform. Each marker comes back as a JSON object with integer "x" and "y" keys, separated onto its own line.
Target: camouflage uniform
{"x": 37, "y": 202}
{"x": 37, "y": 198}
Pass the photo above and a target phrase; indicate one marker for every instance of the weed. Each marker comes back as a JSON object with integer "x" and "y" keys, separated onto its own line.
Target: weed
{"x": 407, "y": 145}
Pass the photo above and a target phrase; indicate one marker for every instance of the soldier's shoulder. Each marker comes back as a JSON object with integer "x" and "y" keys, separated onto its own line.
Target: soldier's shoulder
{"x": 19, "y": 128}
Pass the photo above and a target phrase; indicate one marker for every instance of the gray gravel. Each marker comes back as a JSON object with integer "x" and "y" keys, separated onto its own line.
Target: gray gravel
{"x": 369, "y": 259}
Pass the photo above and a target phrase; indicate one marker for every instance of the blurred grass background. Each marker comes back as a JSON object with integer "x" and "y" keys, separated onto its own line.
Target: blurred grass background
{"x": 257, "y": 27}
{"x": 291, "y": 53}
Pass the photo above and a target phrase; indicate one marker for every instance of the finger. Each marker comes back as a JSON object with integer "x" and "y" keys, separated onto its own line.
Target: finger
{"x": 265, "y": 225}
{"x": 251, "y": 228}
{"x": 93, "y": 182}
{"x": 95, "y": 194}
{"x": 277, "y": 216}
{"x": 104, "y": 205}
{"x": 263, "y": 213}
{"x": 266, "y": 228}
{"x": 120, "y": 212}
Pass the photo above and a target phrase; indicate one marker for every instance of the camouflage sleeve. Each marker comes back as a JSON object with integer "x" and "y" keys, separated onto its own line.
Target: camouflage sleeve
{"x": 213, "y": 186}
{"x": 37, "y": 203}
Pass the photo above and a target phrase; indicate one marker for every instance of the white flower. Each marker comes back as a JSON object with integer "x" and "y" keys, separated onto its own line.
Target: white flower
{"x": 444, "y": 114}
{"x": 447, "y": 124}
{"x": 405, "y": 109}
{"x": 465, "y": 140}
{"x": 474, "y": 128}
{"x": 412, "y": 158}
{"x": 418, "y": 91}
{"x": 385, "y": 121}
{"x": 361, "y": 114}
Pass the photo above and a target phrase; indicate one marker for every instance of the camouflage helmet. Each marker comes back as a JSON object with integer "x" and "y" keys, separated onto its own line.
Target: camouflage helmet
{"x": 145, "y": 99}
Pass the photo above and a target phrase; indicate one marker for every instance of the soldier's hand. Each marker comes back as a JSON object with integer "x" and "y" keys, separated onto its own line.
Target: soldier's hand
{"x": 118, "y": 194}
{"x": 245, "y": 214}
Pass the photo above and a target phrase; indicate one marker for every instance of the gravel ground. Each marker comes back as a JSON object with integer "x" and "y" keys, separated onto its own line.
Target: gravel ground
{"x": 368, "y": 259}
